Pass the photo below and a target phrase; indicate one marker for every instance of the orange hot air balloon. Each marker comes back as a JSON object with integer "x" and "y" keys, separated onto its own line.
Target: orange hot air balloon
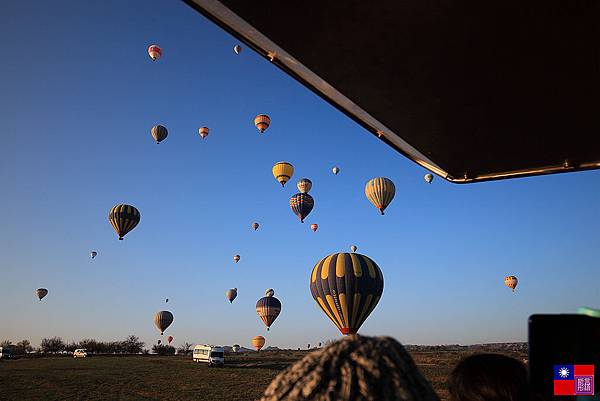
{"x": 314, "y": 227}
{"x": 262, "y": 122}
{"x": 169, "y": 339}
{"x": 511, "y": 282}
{"x": 258, "y": 342}
{"x": 203, "y": 132}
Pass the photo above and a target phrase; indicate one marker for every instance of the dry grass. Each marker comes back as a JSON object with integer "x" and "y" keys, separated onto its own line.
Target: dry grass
{"x": 244, "y": 377}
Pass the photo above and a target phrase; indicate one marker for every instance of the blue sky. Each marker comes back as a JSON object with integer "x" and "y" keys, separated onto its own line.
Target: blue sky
{"x": 79, "y": 96}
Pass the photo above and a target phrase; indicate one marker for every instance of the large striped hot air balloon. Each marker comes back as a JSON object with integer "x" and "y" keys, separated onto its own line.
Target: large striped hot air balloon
{"x": 283, "y": 171}
{"x": 380, "y": 191}
{"x": 262, "y": 122}
{"x": 159, "y": 133}
{"x": 301, "y": 205}
{"x": 123, "y": 218}
{"x": 347, "y": 287}
{"x": 258, "y": 342}
{"x": 511, "y": 282}
{"x": 231, "y": 294}
{"x": 304, "y": 185}
{"x": 41, "y": 293}
{"x": 155, "y": 52}
{"x": 268, "y": 308}
{"x": 162, "y": 320}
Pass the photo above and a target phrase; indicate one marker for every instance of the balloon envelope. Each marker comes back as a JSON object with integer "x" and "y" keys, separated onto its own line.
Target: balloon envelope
{"x": 93, "y": 254}
{"x": 162, "y": 320}
{"x": 235, "y": 348}
{"x": 159, "y": 133}
{"x": 123, "y": 218}
{"x": 269, "y": 292}
{"x": 347, "y": 287}
{"x": 258, "y": 342}
{"x": 380, "y": 192}
{"x": 262, "y": 122}
{"x": 237, "y": 49}
{"x": 283, "y": 171}
{"x": 268, "y": 308}
{"x": 428, "y": 178}
{"x": 255, "y": 226}
{"x": 304, "y": 185}
{"x": 335, "y": 170}
{"x": 511, "y": 282}
{"x": 41, "y": 293}
{"x": 203, "y": 132}
{"x": 301, "y": 205}
{"x": 236, "y": 258}
{"x": 231, "y": 294}
{"x": 169, "y": 339}
{"x": 155, "y": 52}
{"x": 314, "y": 227}
{"x": 353, "y": 248}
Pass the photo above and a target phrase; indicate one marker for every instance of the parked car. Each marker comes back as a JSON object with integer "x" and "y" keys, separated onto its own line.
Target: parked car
{"x": 5, "y": 353}
{"x": 80, "y": 353}
{"x": 211, "y": 354}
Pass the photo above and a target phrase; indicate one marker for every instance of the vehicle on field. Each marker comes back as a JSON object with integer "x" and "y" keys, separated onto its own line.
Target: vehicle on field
{"x": 81, "y": 353}
{"x": 5, "y": 353}
{"x": 213, "y": 355}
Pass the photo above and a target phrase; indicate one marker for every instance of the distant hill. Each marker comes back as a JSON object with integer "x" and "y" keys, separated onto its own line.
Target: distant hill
{"x": 520, "y": 347}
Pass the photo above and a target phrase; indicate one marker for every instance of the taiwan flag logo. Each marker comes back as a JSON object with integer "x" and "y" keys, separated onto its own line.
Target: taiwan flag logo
{"x": 573, "y": 379}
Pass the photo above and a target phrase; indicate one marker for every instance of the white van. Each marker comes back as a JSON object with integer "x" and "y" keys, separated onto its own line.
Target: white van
{"x": 210, "y": 354}
{"x": 80, "y": 353}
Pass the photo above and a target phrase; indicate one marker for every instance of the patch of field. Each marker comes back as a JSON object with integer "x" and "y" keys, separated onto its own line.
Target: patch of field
{"x": 244, "y": 377}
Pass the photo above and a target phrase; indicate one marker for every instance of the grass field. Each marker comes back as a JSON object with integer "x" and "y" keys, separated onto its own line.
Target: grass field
{"x": 244, "y": 377}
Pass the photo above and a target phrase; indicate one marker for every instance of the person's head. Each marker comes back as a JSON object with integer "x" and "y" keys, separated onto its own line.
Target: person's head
{"x": 354, "y": 368}
{"x": 489, "y": 377}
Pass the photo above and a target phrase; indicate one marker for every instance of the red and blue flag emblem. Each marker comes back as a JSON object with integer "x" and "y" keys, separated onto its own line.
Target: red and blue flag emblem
{"x": 573, "y": 379}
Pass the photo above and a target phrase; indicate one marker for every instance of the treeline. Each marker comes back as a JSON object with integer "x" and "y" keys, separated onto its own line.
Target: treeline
{"x": 131, "y": 345}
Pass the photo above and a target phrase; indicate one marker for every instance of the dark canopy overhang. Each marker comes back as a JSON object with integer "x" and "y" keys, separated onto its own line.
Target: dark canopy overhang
{"x": 471, "y": 90}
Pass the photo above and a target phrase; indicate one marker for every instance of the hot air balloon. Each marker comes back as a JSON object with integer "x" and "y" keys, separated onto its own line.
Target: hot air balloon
{"x": 301, "y": 205}
{"x": 262, "y": 122}
{"x": 169, "y": 339}
{"x": 236, "y": 258}
{"x": 159, "y": 133}
{"x": 347, "y": 287}
{"x": 231, "y": 294}
{"x": 158, "y": 342}
{"x": 308, "y": 346}
{"x": 123, "y": 218}
{"x": 167, "y": 300}
{"x": 203, "y": 132}
{"x": 511, "y": 282}
{"x": 93, "y": 254}
{"x": 162, "y": 320}
{"x": 428, "y": 178}
{"x": 155, "y": 52}
{"x": 255, "y": 226}
{"x": 380, "y": 191}
{"x": 258, "y": 342}
{"x": 269, "y": 292}
{"x": 268, "y": 308}
{"x": 335, "y": 170}
{"x": 283, "y": 171}
{"x": 237, "y": 49}
{"x": 235, "y": 348}
{"x": 353, "y": 248}
{"x": 314, "y": 227}
{"x": 319, "y": 344}
{"x": 41, "y": 293}
{"x": 304, "y": 185}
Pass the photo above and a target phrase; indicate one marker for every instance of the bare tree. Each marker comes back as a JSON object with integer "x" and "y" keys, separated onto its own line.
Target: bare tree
{"x": 23, "y": 347}
{"x": 52, "y": 345}
{"x": 133, "y": 345}
{"x": 162, "y": 349}
{"x": 185, "y": 349}
{"x": 5, "y": 344}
